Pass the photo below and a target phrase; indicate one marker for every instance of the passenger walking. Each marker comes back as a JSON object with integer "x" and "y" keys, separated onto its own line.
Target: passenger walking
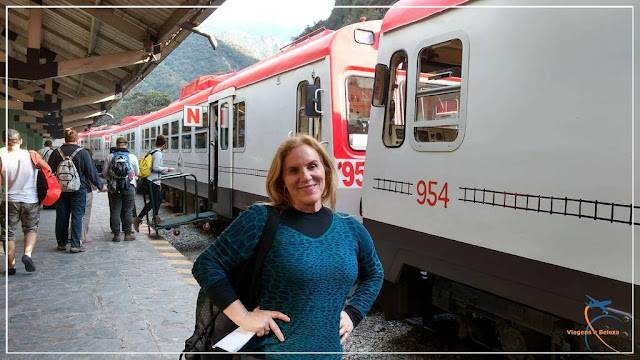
{"x": 21, "y": 194}
{"x": 86, "y": 218}
{"x": 156, "y": 171}
{"x": 120, "y": 171}
{"x": 46, "y": 151}
{"x": 75, "y": 171}
{"x": 316, "y": 257}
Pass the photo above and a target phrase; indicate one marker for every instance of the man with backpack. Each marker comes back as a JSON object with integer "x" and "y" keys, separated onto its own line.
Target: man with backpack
{"x": 75, "y": 171}
{"x": 120, "y": 170}
{"x": 151, "y": 168}
{"x": 16, "y": 167}
{"x": 47, "y": 150}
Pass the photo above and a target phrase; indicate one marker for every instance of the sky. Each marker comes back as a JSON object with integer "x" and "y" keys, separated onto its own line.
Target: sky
{"x": 282, "y": 19}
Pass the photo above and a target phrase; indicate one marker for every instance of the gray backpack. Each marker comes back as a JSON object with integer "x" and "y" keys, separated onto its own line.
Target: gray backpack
{"x": 67, "y": 174}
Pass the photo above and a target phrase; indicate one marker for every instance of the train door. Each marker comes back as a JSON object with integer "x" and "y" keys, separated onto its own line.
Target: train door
{"x": 224, "y": 175}
{"x": 307, "y": 124}
{"x": 213, "y": 153}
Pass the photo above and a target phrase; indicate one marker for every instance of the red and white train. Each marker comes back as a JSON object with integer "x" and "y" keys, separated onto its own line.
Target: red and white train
{"x": 253, "y": 110}
{"x": 499, "y": 183}
{"x": 499, "y": 159}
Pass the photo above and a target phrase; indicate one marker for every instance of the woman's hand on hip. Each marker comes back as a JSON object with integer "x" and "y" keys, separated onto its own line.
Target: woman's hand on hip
{"x": 262, "y": 321}
{"x": 346, "y": 327}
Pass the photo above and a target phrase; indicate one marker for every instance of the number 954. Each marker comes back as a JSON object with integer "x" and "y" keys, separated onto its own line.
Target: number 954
{"x": 429, "y": 193}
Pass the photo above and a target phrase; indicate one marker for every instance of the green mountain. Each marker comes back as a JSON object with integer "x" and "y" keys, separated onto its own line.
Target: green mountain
{"x": 191, "y": 59}
{"x": 340, "y": 17}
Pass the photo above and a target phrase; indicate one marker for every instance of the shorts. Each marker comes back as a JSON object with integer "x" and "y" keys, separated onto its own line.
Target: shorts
{"x": 28, "y": 214}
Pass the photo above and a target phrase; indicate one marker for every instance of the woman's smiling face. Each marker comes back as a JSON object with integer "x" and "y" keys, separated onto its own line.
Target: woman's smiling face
{"x": 303, "y": 175}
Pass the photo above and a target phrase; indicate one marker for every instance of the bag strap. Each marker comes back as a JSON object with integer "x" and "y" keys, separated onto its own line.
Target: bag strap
{"x": 260, "y": 253}
{"x": 61, "y": 153}
{"x": 34, "y": 161}
{"x": 74, "y": 153}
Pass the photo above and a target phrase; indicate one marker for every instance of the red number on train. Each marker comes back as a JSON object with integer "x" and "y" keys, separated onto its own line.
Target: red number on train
{"x": 350, "y": 174}
{"x": 422, "y": 188}
{"x": 445, "y": 191}
{"x": 347, "y": 171}
{"x": 435, "y": 198}
{"x": 427, "y": 193}
{"x": 359, "y": 172}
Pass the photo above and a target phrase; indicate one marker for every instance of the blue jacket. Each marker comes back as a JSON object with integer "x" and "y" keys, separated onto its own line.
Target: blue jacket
{"x": 82, "y": 161}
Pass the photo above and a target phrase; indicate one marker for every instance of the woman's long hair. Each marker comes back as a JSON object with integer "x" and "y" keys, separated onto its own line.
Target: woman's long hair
{"x": 280, "y": 198}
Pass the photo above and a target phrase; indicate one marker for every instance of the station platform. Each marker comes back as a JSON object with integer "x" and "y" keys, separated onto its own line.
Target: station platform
{"x": 114, "y": 300}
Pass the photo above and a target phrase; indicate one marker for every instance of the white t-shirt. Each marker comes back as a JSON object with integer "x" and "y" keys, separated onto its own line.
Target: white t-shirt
{"x": 21, "y": 177}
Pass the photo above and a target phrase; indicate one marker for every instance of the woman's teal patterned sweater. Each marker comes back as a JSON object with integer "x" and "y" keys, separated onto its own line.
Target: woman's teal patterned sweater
{"x": 306, "y": 278}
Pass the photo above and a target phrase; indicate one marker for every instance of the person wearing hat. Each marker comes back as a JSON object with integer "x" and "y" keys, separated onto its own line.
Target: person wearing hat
{"x": 122, "y": 188}
{"x": 22, "y": 197}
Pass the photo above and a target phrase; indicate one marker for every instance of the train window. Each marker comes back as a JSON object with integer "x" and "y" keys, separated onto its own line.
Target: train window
{"x": 205, "y": 119}
{"x": 303, "y": 120}
{"x": 239, "y": 125}
{"x": 201, "y": 133}
{"x": 165, "y": 130}
{"x": 359, "y": 90}
{"x": 147, "y": 142}
{"x": 132, "y": 141}
{"x": 438, "y": 92}
{"x": 152, "y": 135}
{"x": 307, "y": 125}
{"x": 174, "y": 135}
{"x": 393, "y": 132}
{"x": 186, "y": 138}
{"x": 224, "y": 129}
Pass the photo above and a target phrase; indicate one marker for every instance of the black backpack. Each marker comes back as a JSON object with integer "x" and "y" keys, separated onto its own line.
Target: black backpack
{"x": 212, "y": 324}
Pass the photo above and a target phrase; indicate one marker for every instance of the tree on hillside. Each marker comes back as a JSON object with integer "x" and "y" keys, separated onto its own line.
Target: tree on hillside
{"x": 135, "y": 104}
{"x": 341, "y": 17}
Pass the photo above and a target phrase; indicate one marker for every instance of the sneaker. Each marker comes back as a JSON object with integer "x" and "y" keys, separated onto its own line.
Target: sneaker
{"x": 28, "y": 263}
{"x": 77, "y": 250}
{"x": 87, "y": 241}
{"x": 157, "y": 219}
{"x": 12, "y": 271}
{"x": 136, "y": 223}
{"x": 129, "y": 237}
{"x": 61, "y": 247}
{"x": 116, "y": 238}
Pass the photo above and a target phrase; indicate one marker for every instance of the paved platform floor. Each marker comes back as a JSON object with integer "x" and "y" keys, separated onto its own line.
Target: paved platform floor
{"x": 131, "y": 296}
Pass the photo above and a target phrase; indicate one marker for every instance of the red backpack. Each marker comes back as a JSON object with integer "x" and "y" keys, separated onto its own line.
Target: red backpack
{"x": 48, "y": 187}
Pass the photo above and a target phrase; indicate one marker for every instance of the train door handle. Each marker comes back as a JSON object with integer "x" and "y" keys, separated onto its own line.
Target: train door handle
{"x": 290, "y": 133}
{"x": 325, "y": 144}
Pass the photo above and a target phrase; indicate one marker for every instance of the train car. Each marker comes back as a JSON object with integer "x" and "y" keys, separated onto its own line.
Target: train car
{"x": 188, "y": 146}
{"x": 320, "y": 85}
{"x": 99, "y": 140}
{"x": 499, "y": 172}
{"x": 260, "y": 106}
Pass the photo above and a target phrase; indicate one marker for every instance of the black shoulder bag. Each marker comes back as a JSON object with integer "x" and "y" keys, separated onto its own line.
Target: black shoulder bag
{"x": 211, "y": 323}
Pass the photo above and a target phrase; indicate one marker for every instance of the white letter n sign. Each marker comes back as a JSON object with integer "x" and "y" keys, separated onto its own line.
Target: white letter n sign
{"x": 192, "y": 116}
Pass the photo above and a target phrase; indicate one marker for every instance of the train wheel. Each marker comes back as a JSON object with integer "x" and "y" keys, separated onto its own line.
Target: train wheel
{"x": 206, "y": 226}
{"x": 176, "y": 232}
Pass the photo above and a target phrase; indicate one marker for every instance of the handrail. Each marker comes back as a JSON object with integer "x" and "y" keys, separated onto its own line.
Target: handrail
{"x": 184, "y": 197}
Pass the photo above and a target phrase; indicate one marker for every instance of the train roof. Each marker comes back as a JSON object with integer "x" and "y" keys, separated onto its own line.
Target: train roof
{"x": 292, "y": 56}
{"x": 399, "y": 15}
{"x": 201, "y": 83}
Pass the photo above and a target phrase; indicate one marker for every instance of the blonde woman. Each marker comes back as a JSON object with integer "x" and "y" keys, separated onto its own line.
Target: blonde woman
{"x": 316, "y": 258}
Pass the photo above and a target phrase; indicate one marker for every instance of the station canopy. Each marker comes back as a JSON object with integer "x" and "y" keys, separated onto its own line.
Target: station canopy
{"x": 68, "y": 65}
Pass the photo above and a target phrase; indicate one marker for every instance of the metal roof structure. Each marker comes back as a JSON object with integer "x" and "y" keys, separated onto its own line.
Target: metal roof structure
{"x": 67, "y": 65}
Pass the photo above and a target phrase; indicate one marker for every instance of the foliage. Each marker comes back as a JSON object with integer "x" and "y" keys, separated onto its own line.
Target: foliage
{"x": 135, "y": 104}
{"x": 341, "y": 17}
